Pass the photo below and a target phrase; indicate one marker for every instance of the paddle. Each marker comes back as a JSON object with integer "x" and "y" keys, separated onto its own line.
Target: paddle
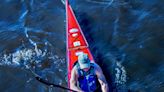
{"x": 37, "y": 77}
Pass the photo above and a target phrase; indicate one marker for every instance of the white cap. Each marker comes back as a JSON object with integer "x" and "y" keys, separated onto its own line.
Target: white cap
{"x": 83, "y": 61}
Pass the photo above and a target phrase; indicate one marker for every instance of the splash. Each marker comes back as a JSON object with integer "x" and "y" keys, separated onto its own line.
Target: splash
{"x": 120, "y": 76}
{"x": 20, "y": 58}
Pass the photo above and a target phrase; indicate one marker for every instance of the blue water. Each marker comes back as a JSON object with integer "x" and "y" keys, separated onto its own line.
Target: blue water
{"x": 125, "y": 37}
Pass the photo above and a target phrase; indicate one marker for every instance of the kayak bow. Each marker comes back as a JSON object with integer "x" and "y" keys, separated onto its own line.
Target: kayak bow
{"x": 76, "y": 42}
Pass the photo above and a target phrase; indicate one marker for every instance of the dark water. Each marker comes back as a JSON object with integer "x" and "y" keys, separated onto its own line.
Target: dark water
{"x": 126, "y": 38}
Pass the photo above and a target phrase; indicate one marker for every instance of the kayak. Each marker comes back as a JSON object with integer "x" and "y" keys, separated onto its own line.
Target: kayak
{"x": 76, "y": 42}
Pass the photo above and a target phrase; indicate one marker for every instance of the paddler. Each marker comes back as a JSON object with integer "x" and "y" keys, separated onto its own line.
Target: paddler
{"x": 86, "y": 76}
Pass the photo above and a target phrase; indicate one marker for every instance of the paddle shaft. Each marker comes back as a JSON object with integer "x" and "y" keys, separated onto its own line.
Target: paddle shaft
{"x": 48, "y": 83}
{"x": 52, "y": 84}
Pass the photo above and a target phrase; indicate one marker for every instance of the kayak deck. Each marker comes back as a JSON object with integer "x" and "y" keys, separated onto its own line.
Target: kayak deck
{"x": 76, "y": 42}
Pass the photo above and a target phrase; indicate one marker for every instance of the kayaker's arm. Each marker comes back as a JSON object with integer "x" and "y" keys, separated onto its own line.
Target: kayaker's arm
{"x": 101, "y": 79}
{"x": 73, "y": 81}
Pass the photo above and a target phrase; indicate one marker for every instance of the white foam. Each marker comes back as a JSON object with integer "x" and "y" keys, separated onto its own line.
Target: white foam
{"x": 22, "y": 57}
{"x": 23, "y": 15}
{"x": 120, "y": 75}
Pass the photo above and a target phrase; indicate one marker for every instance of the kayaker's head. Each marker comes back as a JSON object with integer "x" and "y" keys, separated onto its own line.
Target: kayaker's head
{"x": 84, "y": 61}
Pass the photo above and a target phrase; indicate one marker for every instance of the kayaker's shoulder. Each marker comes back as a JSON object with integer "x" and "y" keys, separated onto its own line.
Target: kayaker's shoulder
{"x": 75, "y": 68}
{"x": 96, "y": 66}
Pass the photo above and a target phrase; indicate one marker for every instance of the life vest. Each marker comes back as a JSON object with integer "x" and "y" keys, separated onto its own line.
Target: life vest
{"x": 87, "y": 81}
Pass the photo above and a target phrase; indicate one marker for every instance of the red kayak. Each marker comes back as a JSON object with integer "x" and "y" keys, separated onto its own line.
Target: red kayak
{"x": 76, "y": 42}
